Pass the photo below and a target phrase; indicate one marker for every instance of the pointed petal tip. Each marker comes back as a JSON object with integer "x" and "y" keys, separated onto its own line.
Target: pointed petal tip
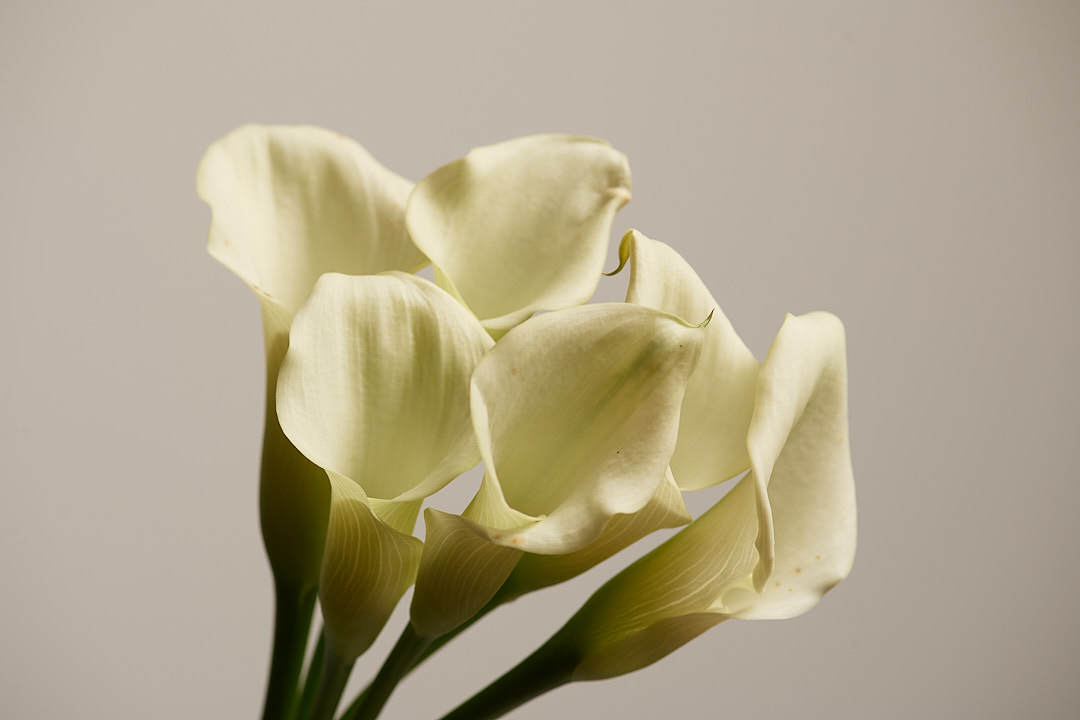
{"x": 624, "y": 252}
{"x": 616, "y": 271}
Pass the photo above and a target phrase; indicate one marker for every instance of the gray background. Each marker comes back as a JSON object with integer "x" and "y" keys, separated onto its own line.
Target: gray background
{"x": 912, "y": 167}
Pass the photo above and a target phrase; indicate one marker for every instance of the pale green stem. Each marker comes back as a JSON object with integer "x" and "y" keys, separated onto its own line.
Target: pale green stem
{"x": 427, "y": 651}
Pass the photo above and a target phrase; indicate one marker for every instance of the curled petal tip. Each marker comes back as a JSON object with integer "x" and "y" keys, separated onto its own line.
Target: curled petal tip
{"x": 616, "y": 271}
{"x": 620, "y": 193}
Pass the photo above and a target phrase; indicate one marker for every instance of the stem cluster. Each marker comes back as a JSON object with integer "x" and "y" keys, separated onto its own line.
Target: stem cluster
{"x": 317, "y": 697}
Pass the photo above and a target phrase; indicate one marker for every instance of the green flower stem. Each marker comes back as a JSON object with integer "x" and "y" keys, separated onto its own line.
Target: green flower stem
{"x": 549, "y": 667}
{"x": 400, "y": 661}
{"x": 292, "y": 622}
{"x": 311, "y": 680}
{"x": 428, "y": 650}
{"x": 332, "y": 682}
{"x": 350, "y": 713}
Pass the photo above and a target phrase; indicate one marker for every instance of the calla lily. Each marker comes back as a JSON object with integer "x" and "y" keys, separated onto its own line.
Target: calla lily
{"x": 375, "y": 390}
{"x": 720, "y": 395}
{"x": 290, "y": 203}
{"x": 576, "y": 414}
{"x": 715, "y": 415}
{"x": 520, "y": 226}
{"x": 710, "y": 571}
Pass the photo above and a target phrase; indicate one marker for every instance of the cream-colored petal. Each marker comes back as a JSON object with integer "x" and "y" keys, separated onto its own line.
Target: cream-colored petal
{"x": 799, "y": 441}
{"x": 666, "y": 509}
{"x": 368, "y": 566}
{"x": 522, "y": 225}
{"x": 375, "y": 386}
{"x": 290, "y": 203}
{"x": 576, "y": 415}
{"x": 720, "y": 395}
{"x": 460, "y": 571}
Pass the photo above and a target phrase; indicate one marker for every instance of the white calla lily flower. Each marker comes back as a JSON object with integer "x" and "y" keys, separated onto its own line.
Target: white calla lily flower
{"x": 520, "y": 226}
{"x": 375, "y": 390}
{"x": 712, "y": 569}
{"x": 290, "y": 203}
{"x": 576, "y": 413}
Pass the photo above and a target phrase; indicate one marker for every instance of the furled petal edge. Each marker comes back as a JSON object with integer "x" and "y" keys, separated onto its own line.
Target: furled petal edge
{"x": 799, "y": 440}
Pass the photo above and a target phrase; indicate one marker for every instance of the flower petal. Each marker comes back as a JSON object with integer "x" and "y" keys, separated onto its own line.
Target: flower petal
{"x": 720, "y": 395}
{"x": 460, "y": 571}
{"x": 368, "y": 566}
{"x": 576, "y": 415}
{"x": 666, "y": 509}
{"x": 634, "y": 620}
{"x": 462, "y": 568}
{"x": 522, "y": 225}
{"x": 375, "y": 385}
{"x": 799, "y": 441}
{"x": 293, "y": 202}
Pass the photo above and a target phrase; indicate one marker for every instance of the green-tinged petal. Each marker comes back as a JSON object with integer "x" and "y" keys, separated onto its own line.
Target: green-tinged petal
{"x": 645, "y": 647}
{"x": 293, "y": 202}
{"x": 799, "y": 441}
{"x": 622, "y": 626}
{"x": 460, "y": 572}
{"x": 712, "y": 569}
{"x": 367, "y": 567}
{"x": 294, "y": 496}
{"x": 398, "y": 514}
{"x": 720, "y": 395}
{"x": 666, "y": 509}
{"x": 576, "y": 414}
{"x": 522, "y": 225}
{"x": 375, "y": 386}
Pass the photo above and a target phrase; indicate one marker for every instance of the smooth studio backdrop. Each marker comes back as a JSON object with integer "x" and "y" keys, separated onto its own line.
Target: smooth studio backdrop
{"x": 912, "y": 167}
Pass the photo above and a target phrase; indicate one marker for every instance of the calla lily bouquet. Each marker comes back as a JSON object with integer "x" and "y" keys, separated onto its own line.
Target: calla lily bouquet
{"x": 591, "y": 420}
